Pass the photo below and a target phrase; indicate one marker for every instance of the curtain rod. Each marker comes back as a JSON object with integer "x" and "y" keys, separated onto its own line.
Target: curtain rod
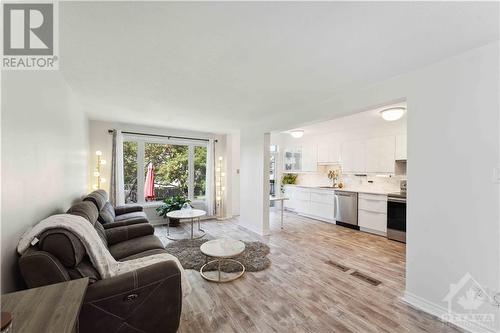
{"x": 162, "y": 136}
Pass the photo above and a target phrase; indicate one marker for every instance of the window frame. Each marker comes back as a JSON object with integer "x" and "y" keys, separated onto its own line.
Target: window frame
{"x": 141, "y": 143}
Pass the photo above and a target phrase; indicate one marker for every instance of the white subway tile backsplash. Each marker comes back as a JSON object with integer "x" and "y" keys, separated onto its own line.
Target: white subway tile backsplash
{"x": 374, "y": 182}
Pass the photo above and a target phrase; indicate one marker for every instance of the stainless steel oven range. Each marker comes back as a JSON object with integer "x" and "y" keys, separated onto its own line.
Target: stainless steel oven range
{"x": 396, "y": 216}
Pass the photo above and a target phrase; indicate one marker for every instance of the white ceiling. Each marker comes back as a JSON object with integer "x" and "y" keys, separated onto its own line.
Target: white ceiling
{"x": 364, "y": 121}
{"x": 217, "y": 66}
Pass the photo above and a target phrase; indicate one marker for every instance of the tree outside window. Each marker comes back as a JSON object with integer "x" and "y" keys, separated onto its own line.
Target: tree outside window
{"x": 171, "y": 167}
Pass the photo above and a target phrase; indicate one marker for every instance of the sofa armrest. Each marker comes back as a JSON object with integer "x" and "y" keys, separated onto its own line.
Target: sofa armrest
{"x": 123, "y": 233}
{"x": 40, "y": 268}
{"x": 145, "y": 300}
{"x": 120, "y": 210}
{"x": 130, "y": 222}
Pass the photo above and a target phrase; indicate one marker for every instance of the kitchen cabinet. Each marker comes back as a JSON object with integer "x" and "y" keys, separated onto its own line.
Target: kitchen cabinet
{"x": 380, "y": 154}
{"x": 354, "y": 156}
{"x": 302, "y": 158}
{"x": 309, "y": 157}
{"x": 311, "y": 202}
{"x": 292, "y": 159}
{"x": 401, "y": 147}
{"x": 302, "y": 200}
{"x": 328, "y": 152}
{"x": 322, "y": 205}
{"x": 372, "y": 213}
{"x": 290, "y": 204}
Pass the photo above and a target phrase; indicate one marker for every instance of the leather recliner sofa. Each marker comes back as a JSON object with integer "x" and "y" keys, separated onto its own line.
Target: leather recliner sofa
{"x": 110, "y": 216}
{"x": 145, "y": 300}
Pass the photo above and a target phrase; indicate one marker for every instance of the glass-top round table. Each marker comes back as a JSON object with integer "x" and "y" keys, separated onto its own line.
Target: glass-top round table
{"x": 222, "y": 249}
{"x": 187, "y": 214}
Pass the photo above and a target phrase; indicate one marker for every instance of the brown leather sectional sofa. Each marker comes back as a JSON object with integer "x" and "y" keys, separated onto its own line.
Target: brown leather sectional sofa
{"x": 146, "y": 300}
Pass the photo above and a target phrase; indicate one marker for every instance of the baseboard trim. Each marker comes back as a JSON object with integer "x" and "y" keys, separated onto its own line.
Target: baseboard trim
{"x": 439, "y": 312}
{"x": 314, "y": 217}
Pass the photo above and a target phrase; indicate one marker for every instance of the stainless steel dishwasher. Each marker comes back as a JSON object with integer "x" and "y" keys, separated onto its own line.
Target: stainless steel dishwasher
{"x": 346, "y": 208}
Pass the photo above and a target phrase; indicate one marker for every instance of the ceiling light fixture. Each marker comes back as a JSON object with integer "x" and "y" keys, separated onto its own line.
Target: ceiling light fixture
{"x": 297, "y": 133}
{"x": 392, "y": 114}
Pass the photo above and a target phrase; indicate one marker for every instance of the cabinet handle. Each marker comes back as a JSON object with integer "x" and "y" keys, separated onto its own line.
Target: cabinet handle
{"x": 371, "y": 211}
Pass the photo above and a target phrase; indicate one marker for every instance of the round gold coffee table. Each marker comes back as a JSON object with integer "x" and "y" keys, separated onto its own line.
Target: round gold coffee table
{"x": 187, "y": 214}
{"x": 222, "y": 249}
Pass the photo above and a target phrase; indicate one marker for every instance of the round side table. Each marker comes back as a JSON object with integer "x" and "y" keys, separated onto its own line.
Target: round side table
{"x": 187, "y": 214}
{"x": 222, "y": 249}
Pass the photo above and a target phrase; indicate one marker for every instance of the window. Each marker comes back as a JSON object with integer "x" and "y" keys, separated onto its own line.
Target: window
{"x": 130, "y": 171}
{"x": 171, "y": 172}
{"x": 200, "y": 172}
{"x": 179, "y": 168}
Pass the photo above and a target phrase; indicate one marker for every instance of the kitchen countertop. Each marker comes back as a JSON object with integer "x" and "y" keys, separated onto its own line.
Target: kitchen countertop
{"x": 351, "y": 189}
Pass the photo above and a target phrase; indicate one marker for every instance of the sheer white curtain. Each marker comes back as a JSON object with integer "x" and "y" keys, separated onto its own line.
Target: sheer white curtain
{"x": 117, "y": 195}
{"x": 210, "y": 178}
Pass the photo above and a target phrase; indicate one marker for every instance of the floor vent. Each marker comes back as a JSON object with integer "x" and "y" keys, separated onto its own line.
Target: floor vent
{"x": 338, "y": 266}
{"x": 366, "y": 278}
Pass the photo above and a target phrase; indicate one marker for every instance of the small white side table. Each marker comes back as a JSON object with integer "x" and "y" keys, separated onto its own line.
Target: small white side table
{"x": 282, "y": 199}
{"x": 222, "y": 249}
{"x": 187, "y": 214}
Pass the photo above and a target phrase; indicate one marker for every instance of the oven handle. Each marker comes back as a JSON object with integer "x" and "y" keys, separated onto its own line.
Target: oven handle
{"x": 396, "y": 200}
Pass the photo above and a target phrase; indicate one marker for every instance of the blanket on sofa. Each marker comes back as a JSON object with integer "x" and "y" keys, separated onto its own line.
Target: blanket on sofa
{"x": 99, "y": 255}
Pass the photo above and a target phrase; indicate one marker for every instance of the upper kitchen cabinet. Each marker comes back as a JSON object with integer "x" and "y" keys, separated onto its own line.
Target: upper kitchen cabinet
{"x": 380, "y": 154}
{"x": 292, "y": 159}
{"x": 353, "y": 156}
{"x": 301, "y": 158}
{"x": 401, "y": 147}
{"x": 309, "y": 157}
{"x": 328, "y": 151}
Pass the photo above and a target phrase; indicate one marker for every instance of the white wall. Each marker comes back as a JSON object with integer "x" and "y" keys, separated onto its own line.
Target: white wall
{"x": 254, "y": 181}
{"x": 44, "y": 157}
{"x": 233, "y": 173}
{"x": 453, "y": 148}
{"x": 453, "y": 144}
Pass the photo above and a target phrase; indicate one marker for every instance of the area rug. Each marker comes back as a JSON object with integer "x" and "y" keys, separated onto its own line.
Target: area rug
{"x": 254, "y": 258}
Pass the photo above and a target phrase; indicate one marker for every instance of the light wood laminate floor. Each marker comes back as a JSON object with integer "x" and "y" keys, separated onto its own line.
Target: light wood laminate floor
{"x": 302, "y": 291}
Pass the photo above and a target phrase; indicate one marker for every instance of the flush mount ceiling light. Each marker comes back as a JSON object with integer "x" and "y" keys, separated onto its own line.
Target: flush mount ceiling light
{"x": 297, "y": 133}
{"x": 392, "y": 114}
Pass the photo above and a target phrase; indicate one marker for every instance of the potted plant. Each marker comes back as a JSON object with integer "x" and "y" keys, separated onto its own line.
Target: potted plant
{"x": 170, "y": 204}
{"x": 288, "y": 179}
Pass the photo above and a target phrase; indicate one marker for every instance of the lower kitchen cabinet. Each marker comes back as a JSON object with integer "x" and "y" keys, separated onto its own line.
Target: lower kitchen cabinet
{"x": 372, "y": 213}
{"x": 311, "y": 202}
{"x": 290, "y": 204}
{"x": 319, "y": 204}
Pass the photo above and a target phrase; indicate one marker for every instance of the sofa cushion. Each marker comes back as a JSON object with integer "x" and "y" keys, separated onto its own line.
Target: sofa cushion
{"x": 128, "y": 208}
{"x": 107, "y": 214}
{"x": 64, "y": 245}
{"x": 99, "y": 198}
{"x": 85, "y": 209}
{"x": 121, "y": 234}
{"x": 88, "y": 211}
{"x": 135, "y": 246}
{"x": 132, "y": 216}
